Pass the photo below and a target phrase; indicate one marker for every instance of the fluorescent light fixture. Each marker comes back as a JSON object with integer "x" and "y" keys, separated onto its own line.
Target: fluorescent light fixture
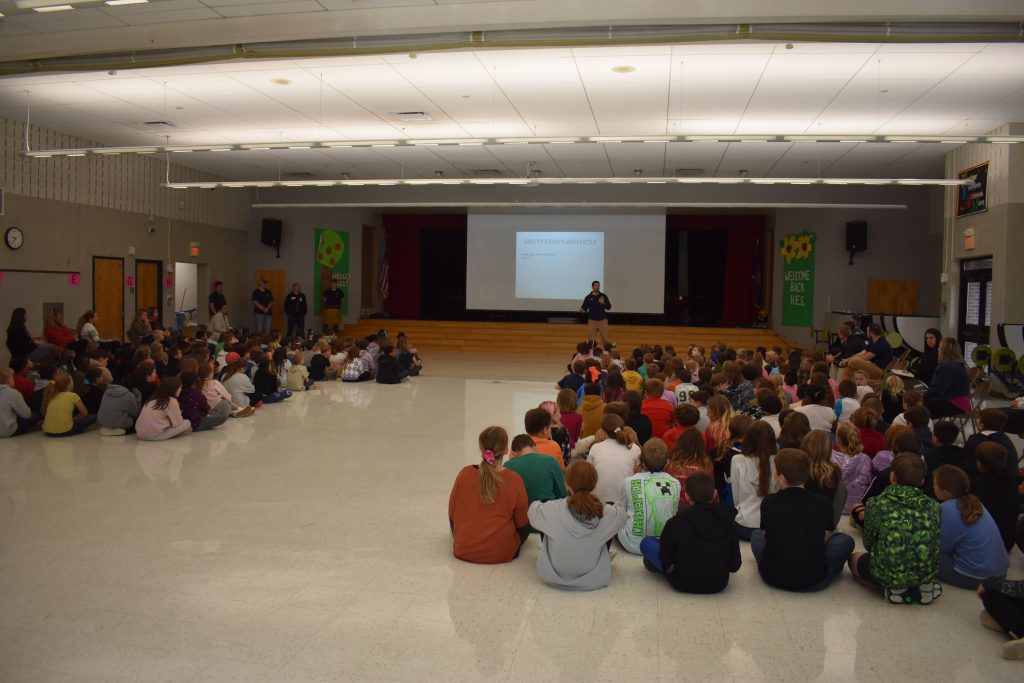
{"x": 118, "y": 3}
{"x": 77, "y": 154}
{"x": 53, "y": 8}
{"x": 448, "y": 141}
{"x": 220, "y": 149}
{"x": 579, "y": 181}
{"x": 702, "y": 138}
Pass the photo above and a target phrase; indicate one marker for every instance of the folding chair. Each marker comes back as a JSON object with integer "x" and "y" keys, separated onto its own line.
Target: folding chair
{"x": 978, "y": 399}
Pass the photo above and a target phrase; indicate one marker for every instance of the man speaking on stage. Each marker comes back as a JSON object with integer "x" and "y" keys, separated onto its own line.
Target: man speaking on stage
{"x": 596, "y": 307}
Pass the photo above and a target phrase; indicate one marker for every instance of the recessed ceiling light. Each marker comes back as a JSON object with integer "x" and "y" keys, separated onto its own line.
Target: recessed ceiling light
{"x": 117, "y": 3}
{"x": 281, "y": 81}
{"x": 54, "y": 8}
{"x": 624, "y": 69}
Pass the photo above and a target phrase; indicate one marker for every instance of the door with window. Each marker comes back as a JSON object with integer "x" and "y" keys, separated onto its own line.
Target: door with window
{"x": 108, "y": 296}
{"x": 975, "y": 317}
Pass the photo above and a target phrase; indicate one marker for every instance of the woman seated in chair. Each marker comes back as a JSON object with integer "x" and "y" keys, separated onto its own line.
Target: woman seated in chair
{"x": 949, "y": 392}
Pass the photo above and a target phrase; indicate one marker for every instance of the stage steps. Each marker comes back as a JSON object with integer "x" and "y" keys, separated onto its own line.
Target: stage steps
{"x": 555, "y": 337}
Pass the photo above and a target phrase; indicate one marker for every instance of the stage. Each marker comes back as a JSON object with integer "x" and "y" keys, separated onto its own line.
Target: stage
{"x": 556, "y": 338}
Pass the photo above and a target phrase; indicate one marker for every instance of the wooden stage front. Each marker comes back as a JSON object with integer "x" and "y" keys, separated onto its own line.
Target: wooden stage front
{"x": 556, "y": 338}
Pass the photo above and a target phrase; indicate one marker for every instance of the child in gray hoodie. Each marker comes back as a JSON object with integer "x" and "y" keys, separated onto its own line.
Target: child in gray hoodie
{"x": 576, "y": 532}
{"x": 118, "y": 410}
{"x": 15, "y": 416}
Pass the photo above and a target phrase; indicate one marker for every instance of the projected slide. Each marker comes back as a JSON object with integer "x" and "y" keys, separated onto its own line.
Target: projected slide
{"x": 551, "y": 265}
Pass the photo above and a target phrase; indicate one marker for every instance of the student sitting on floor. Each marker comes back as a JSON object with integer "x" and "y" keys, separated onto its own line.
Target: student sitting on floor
{"x": 537, "y": 423}
{"x": 571, "y": 420}
{"x": 688, "y": 458}
{"x": 216, "y": 393}
{"x": 752, "y": 475}
{"x": 298, "y": 375}
{"x": 901, "y": 537}
{"x": 854, "y": 464}
{"x": 265, "y": 381}
{"x": 686, "y": 418}
{"x": 118, "y": 411}
{"x": 826, "y": 478}
{"x": 541, "y": 475}
{"x": 591, "y": 409}
{"x": 196, "y": 409}
{"x": 1004, "y": 611}
{"x": 996, "y": 490}
{"x": 238, "y": 383}
{"x": 487, "y": 508}
{"x": 64, "y": 414}
{"x": 847, "y": 401}
{"x": 797, "y": 547}
{"x": 972, "y": 549}
{"x": 161, "y": 417}
{"x": 990, "y": 428}
{"x": 651, "y": 497}
{"x": 15, "y": 416}
{"x": 866, "y": 421}
{"x": 615, "y": 458}
{"x": 698, "y": 548}
{"x": 946, "y": 451}
{"x": 576, "y": 532}
{"x": 636, "y": 420}
{"x": 574, "y": 380}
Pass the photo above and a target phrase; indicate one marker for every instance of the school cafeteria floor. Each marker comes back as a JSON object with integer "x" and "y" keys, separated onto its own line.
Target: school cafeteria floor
{"x": 309, "y": 543}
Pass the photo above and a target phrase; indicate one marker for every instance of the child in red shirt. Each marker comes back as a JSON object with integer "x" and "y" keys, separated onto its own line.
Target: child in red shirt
{"x": 686, "y": 417}
{"x": 657, "y": 409}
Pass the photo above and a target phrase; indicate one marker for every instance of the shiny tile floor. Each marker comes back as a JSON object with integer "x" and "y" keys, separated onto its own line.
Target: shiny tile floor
{"x": 309, "y": 543}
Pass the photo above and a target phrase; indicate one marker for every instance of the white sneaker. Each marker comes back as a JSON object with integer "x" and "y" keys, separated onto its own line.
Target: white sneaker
{"x": 111, "y": 431}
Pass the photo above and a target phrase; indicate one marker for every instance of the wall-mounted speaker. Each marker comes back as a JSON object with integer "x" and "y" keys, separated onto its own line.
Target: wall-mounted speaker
{"x": 270, "y": 234}
{"x": 856, "y": 236}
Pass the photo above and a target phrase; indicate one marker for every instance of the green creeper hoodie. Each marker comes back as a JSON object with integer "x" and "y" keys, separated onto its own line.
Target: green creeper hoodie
{"x": 901, "y": 531}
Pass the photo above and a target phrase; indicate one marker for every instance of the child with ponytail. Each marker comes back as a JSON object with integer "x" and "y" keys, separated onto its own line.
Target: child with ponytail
{"x": 972, "y": 549}
{"x": 848, "y": 455}
{"x": 487, "y": 508}
{"x": 577, "y": 531}
{"x": 720, "y": 413}
{"x": 616, "y": 458}
{"x": 64, "y": 413}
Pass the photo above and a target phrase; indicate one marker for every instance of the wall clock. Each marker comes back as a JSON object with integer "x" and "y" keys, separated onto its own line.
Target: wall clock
{"x": 14, "y": 238}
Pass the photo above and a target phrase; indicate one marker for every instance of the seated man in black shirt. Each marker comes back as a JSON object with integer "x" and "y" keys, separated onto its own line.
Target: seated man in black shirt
{"x": 797, "y": 547}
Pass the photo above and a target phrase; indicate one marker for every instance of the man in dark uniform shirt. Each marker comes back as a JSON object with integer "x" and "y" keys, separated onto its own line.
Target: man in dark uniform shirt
{"x": 217, "y": 298}
{"x": 332, "y": 300}
{"x": 262, "y": 307}
{"x": 596, "y": 306}
{"x": 295, "y": 309}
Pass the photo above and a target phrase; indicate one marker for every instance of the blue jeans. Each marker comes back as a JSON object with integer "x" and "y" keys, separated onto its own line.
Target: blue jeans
{"x": 277, "y": 396}
{"x": 838, "y": 549}
{"x": 262, "y": 322}
{"x": 650, "y": 548}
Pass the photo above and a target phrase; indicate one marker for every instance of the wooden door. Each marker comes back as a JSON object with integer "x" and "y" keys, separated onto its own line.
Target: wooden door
{"x": 108, "y": 296}
{"x": 148, "y": 287}
{"x": 279, "y": 290}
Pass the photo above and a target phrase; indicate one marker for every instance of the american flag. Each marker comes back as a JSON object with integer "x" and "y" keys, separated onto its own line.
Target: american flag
{"x": 384, "y": 284}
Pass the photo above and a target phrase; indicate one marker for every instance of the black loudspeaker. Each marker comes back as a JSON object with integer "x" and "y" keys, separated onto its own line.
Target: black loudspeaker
{"x": 271, "y": 234}
{"x": 856, "y": 236}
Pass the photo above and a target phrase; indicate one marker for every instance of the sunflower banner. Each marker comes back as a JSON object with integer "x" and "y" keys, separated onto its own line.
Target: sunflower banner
{"x": 798, "y": 279}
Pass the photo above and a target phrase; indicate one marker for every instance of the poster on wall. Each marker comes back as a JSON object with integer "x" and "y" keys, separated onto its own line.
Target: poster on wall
{"x": 798, "y": 279}
{"x": 331, "y": 263}
{"x": 971, "y": 198}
